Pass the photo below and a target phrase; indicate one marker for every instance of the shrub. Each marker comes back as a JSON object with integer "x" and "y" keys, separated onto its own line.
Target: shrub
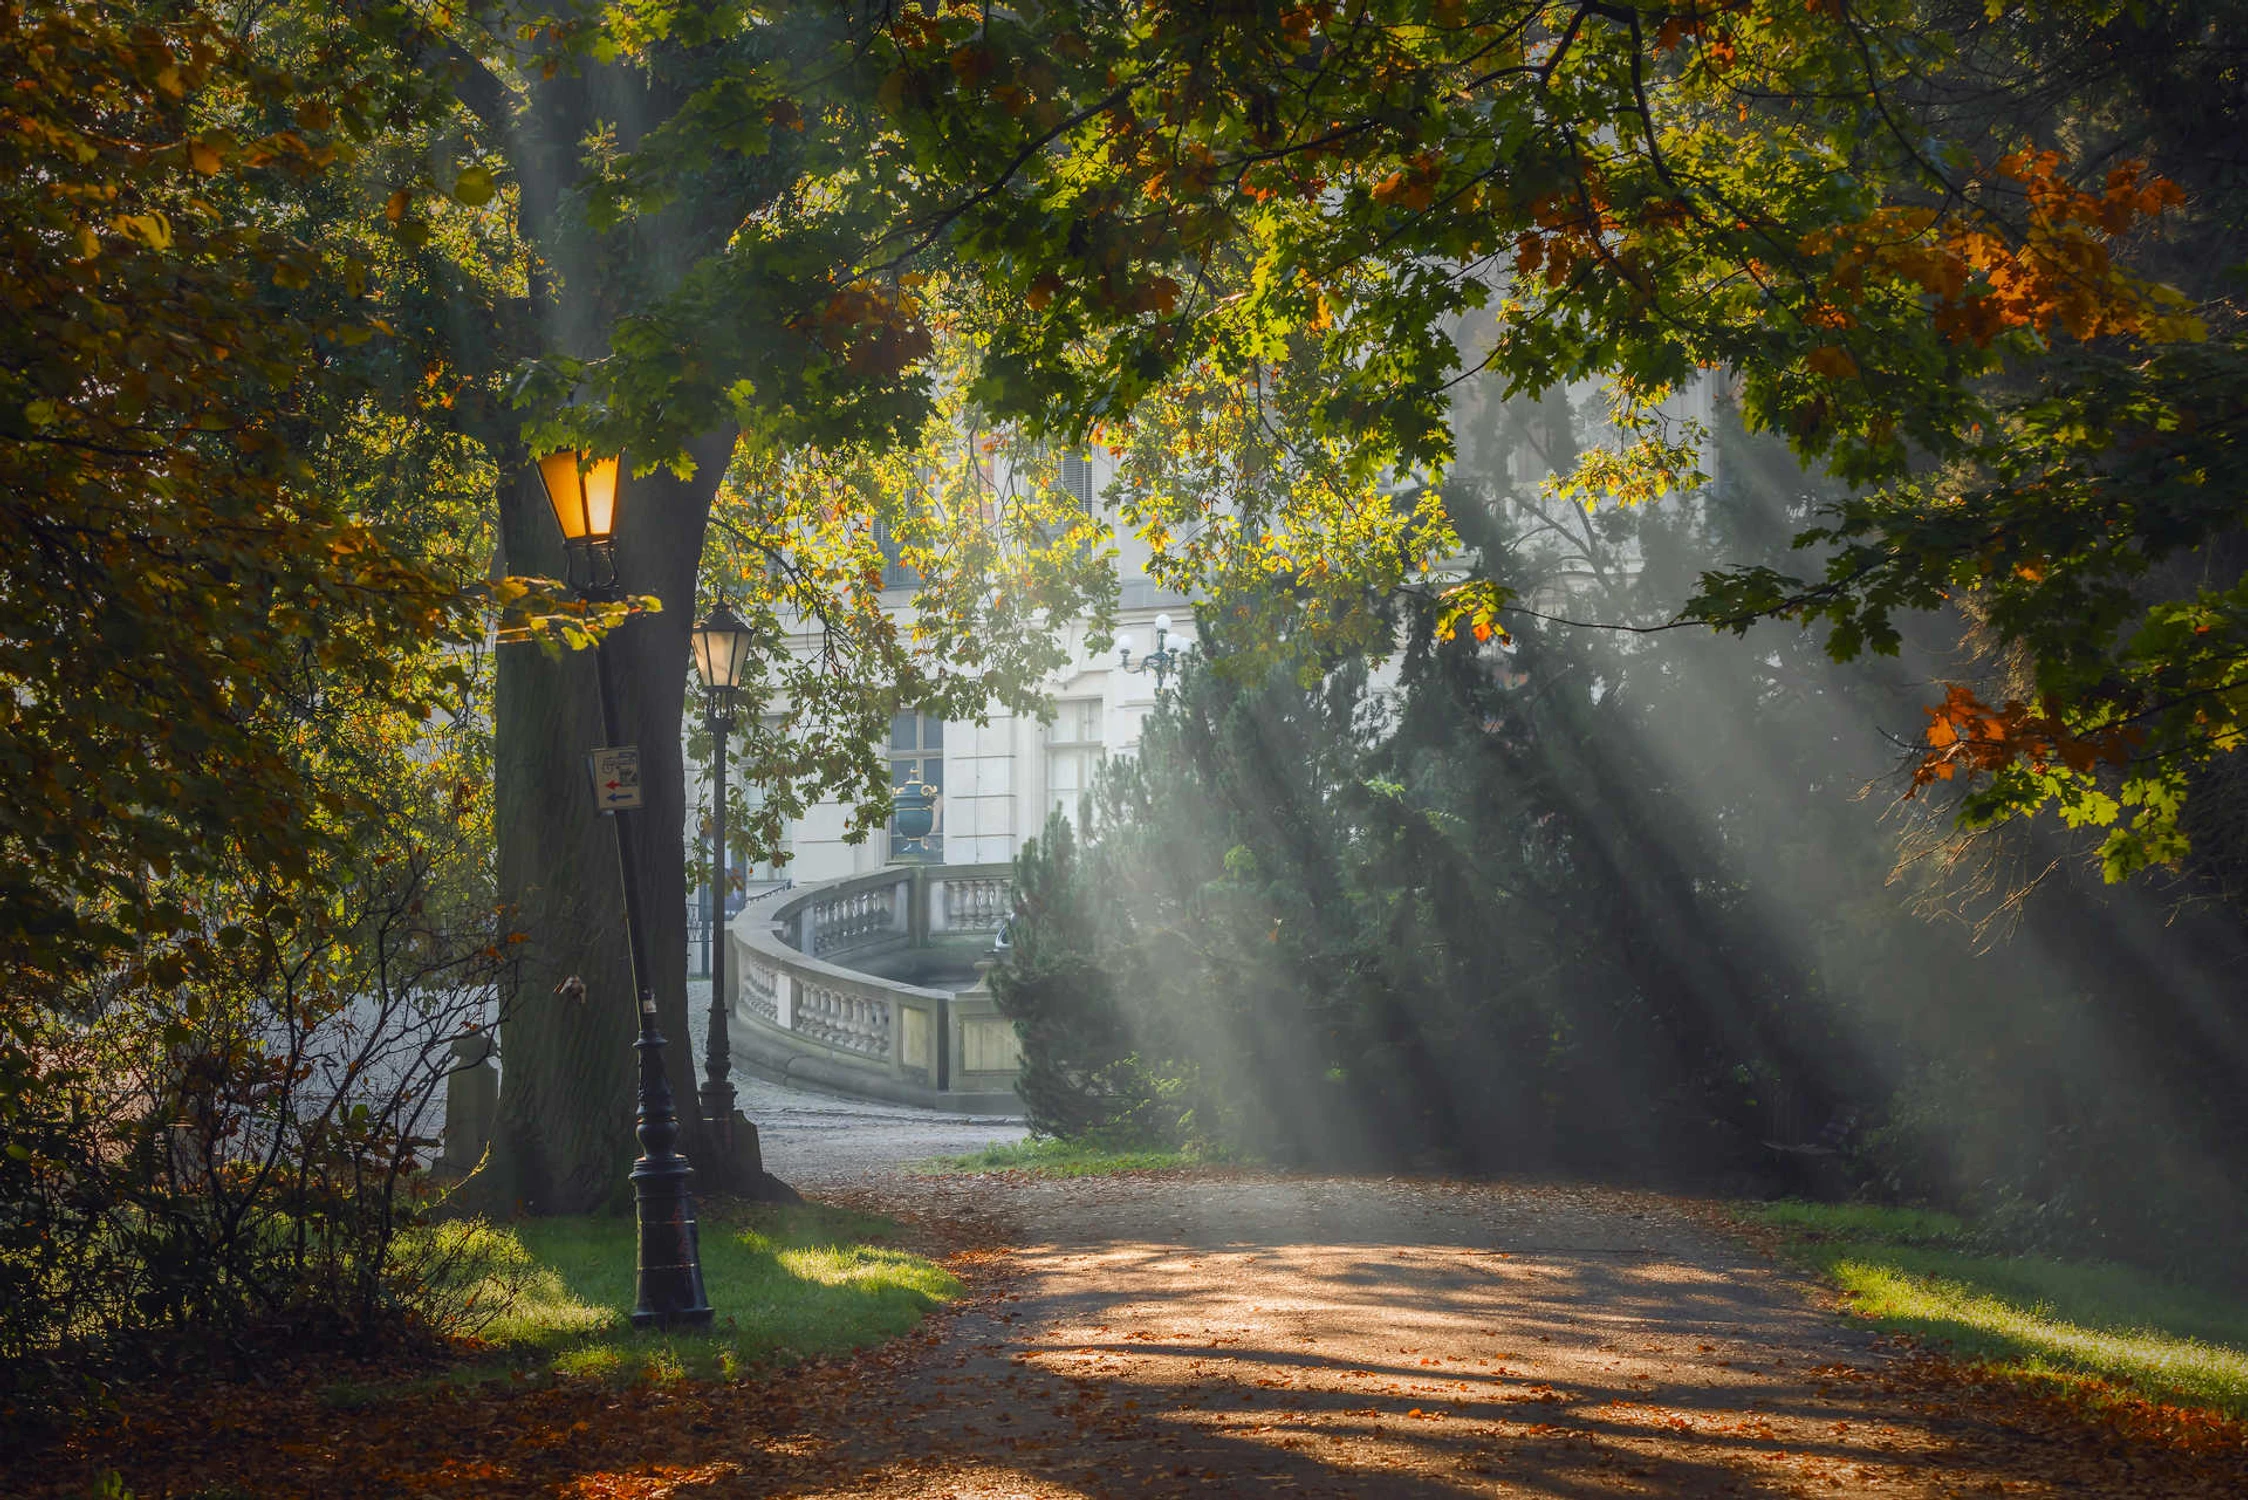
{"x": 198, "y": 1168}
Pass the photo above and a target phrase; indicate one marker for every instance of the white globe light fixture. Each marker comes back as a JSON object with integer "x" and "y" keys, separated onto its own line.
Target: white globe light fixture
{"x": 1162, "y": 661}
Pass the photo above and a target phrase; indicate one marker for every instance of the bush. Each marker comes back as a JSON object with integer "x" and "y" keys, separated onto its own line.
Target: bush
{"x": 198, "y": 1168}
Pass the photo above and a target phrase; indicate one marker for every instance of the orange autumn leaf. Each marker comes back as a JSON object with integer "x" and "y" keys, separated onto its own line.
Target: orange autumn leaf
{"x": 1833, "y": 361}
{"x": 2055, "y": 271}
{"x": 1966, "y": 736}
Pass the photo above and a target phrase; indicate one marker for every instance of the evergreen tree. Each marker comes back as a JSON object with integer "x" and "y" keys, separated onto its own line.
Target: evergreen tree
{"x": 1080, "y": 1076}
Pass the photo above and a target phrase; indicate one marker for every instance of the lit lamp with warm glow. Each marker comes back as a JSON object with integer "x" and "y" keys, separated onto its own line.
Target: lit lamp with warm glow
{"x": 583, "y": 493}
{"x": 668, "y": 1282}
{"x": 722, "y": 645}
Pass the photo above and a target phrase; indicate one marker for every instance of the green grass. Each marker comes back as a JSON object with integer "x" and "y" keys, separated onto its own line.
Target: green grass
{"x": 1920, "y": 1274}
{"x": 785, "y": 1283}
{"x": 1864, "y": 1221}
{"x": 1057, "y": 1158}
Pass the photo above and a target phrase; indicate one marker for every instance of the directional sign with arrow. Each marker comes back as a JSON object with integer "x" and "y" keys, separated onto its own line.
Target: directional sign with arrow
{"x": 616, "y": 778}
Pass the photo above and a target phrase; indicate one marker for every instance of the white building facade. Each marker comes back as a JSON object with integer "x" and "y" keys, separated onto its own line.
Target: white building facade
{"x": 996, "y": 781}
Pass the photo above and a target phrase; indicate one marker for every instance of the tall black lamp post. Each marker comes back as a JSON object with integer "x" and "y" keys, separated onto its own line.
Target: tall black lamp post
{"x": 1162, "y": 661}
{"x": 722, "y": 645}
{"x": 583, "y": 491}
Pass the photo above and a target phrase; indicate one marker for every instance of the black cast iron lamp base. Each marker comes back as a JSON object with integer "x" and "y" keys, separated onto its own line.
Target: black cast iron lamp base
{"x": 669, "y": 1286}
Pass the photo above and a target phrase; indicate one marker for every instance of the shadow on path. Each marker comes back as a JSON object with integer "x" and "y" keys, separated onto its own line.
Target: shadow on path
{"x": 1404, "y": 1339}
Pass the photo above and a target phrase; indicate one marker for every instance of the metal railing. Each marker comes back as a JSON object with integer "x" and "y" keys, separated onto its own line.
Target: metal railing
{"x": 698, "y": 937}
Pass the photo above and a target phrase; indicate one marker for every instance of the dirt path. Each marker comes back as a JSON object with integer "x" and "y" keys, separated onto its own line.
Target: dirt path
{"x": 1174, "y": 1335}
{"x": 1378, "y": 1338}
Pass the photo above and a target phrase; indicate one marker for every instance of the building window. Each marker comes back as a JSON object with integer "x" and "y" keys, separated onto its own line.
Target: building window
{"x": 1077, "y": 478}
{"x": 1073, "y": 752}
{"x": 895, "y": 574}
{"x": 917, "y": 762}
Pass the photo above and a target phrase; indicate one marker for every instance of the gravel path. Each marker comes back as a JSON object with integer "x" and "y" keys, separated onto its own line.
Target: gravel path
{"x": 814, "y": 1141}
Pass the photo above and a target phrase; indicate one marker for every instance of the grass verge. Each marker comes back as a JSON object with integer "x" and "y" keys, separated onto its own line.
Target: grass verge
{"x": 1923, "y": 1275}
{"x": 1056, "y": 1158}
{"x": 785, "y": 1284}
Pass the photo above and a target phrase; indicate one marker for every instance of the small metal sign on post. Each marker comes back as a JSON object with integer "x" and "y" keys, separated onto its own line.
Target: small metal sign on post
{"x": 616, "y": 778}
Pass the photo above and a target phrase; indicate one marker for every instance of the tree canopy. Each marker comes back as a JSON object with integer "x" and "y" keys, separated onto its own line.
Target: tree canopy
{"x": 1962, "y": 255}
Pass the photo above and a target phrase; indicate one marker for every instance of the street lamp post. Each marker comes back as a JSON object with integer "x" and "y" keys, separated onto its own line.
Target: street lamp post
{"x": 722, "y": 645}
{"x": 1162, "y": 661}
{"x": 583, "y": 492}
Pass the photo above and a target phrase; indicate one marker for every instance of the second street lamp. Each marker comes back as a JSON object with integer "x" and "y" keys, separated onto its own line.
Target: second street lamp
{"x": 722, "y": 645}
{"x": 1162, "y": 661}
{"x": 669, "y": 1285}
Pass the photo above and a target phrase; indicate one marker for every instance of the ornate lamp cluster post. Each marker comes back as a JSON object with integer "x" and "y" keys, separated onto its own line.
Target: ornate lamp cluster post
{"x": 1162, "y": 661}
{"x": 583, "y": 492}
{"x": 722, "y": 645}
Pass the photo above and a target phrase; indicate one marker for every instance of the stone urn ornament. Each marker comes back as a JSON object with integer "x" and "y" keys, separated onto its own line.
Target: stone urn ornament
{"x": 915, "y": 806}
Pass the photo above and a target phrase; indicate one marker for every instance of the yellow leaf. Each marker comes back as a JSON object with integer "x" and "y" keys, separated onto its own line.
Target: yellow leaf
{"x": 474, "y": 186}
{"x": 204, "y": 158}
{"x": 153, "y": 230}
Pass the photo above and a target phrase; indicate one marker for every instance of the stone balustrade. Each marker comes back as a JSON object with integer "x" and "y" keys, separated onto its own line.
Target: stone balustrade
{"x": 803, "y": 1009}
{"x": 848, "y": 1019}
{"x": 851, "y": 921}
{"x": 757, "y": 984}
{"x": 976, "y": 903}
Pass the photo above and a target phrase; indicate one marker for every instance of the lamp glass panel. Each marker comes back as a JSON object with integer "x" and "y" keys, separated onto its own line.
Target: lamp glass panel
{"x": 565, "y": 491}
{"x": 601, "y": 498}
{"x": 737, "y": 642}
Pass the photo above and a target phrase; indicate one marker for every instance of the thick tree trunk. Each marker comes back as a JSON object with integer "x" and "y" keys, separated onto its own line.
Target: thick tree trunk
{"x": 564, "y": 1139}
